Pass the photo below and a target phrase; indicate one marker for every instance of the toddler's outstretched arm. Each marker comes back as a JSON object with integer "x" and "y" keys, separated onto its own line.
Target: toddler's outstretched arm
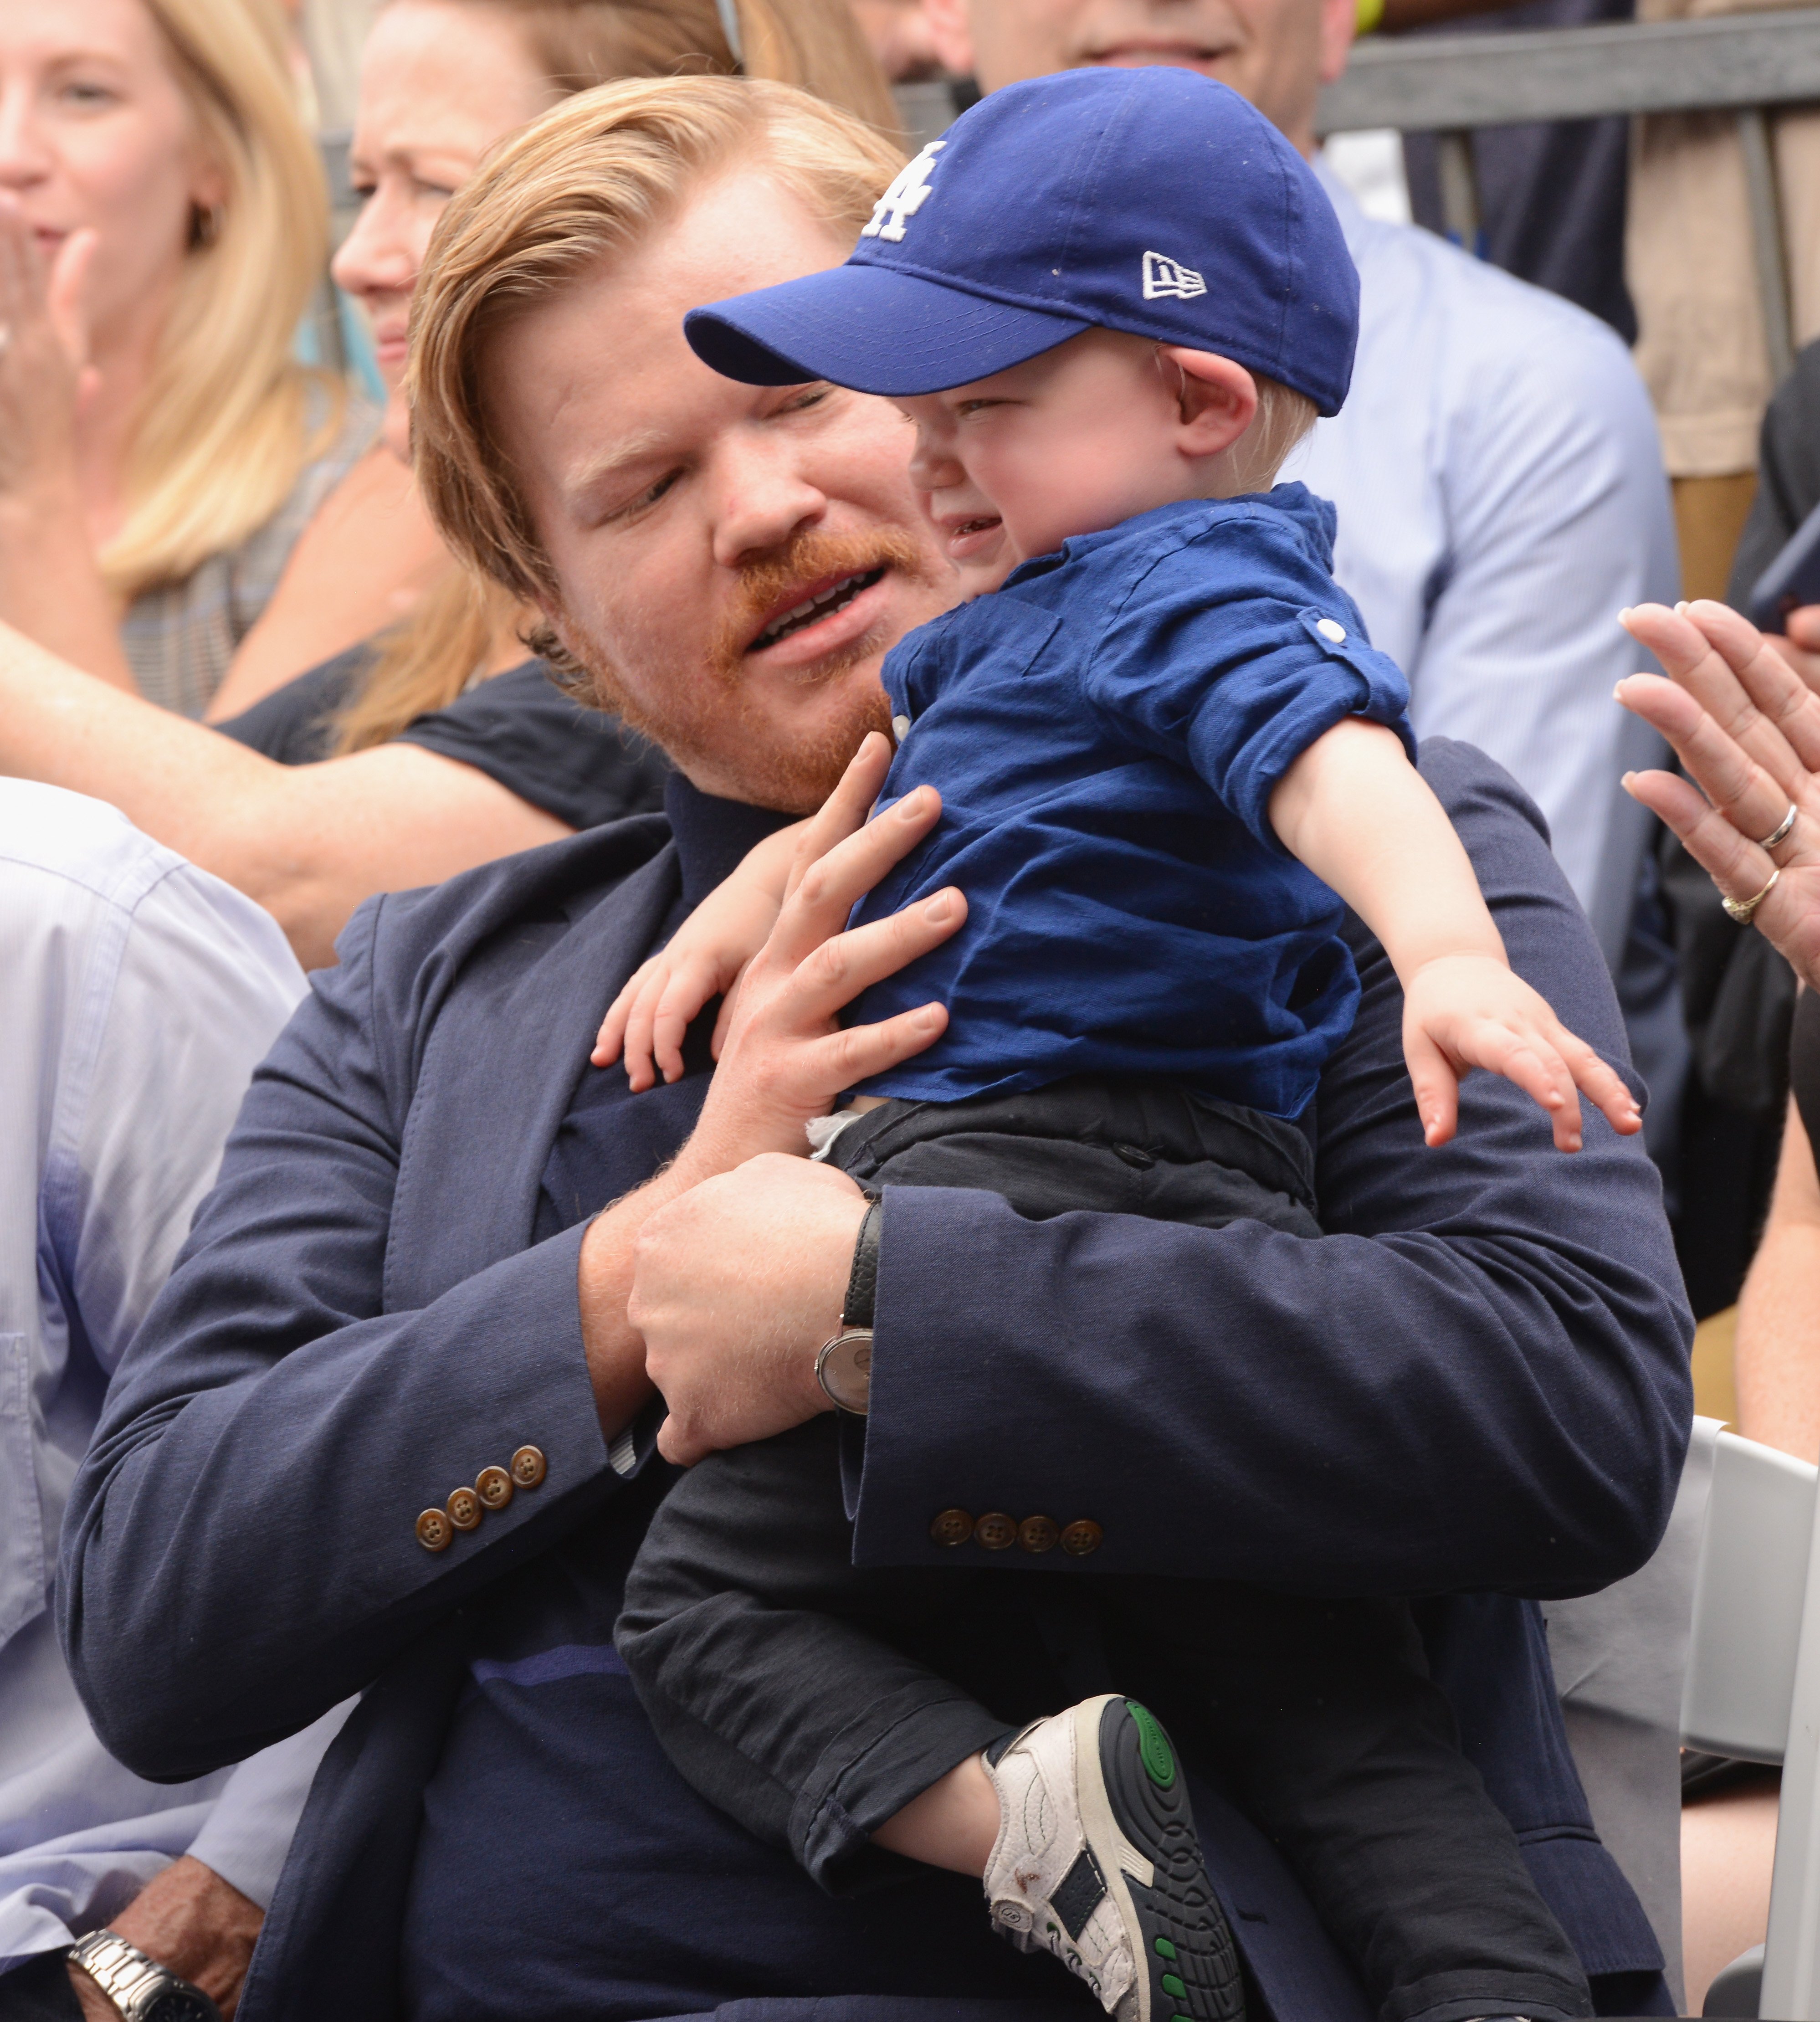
{"x": 1357, "y": 812}
{"x": 701, "y": 960}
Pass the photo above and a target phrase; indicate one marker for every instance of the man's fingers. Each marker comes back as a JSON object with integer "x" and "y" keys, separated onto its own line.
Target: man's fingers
{"x": 845, "y": 810}
{"x": 676, "y": 1447}
{"x": 724, "y": 1017}
{"x": 828, "y": 887}
{"x": 845, "y": 1058}
{"x": 837, "y": 970}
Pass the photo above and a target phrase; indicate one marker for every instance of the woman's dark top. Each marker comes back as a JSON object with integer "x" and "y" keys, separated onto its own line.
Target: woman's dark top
{"x": 1804, "y": 1063}
{"x": 579, "y": 765}
{"x": 1788, "y": 482}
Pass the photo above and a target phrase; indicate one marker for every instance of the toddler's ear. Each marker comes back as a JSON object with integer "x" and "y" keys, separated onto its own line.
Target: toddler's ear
{"x": 1215, "y": 398}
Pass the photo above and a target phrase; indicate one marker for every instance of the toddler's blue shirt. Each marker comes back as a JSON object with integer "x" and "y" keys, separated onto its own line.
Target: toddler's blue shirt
{"x": 1105, "y": 730}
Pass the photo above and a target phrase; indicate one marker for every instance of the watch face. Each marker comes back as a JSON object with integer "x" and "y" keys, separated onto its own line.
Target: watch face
{"x": 178, "y": 2005}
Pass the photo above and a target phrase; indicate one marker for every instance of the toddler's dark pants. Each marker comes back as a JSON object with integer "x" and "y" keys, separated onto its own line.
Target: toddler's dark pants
{"x": 777, "y": 1677}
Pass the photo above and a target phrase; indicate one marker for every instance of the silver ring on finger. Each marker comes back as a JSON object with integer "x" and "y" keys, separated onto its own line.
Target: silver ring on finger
{"x": 1741, "y": 909}
{"x": 1780, "y": 832}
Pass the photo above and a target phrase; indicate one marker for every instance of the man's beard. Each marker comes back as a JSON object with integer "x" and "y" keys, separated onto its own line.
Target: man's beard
{"x": 723, "y": 724}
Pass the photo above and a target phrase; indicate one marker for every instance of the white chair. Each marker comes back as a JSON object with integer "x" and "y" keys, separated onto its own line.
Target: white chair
{"x": 1752, "y": 1691}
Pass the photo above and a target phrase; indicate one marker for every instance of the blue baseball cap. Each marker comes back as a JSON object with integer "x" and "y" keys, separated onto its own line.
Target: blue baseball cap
{"x": 1154, "y": 200}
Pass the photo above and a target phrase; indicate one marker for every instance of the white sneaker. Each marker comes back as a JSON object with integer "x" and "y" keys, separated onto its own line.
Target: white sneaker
{"x": 1097, "y": 1861}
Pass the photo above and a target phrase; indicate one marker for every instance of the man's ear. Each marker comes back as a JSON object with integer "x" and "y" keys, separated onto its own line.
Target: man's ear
{"x": 1339, "y": 24}
{"x": 950, "y": 34}
{"x": 1215, "y": 398}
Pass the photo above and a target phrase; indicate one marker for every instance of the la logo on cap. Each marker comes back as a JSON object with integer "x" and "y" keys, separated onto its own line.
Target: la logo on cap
{"x": 908, "y": 187}
{"x": 1164, "y": 276}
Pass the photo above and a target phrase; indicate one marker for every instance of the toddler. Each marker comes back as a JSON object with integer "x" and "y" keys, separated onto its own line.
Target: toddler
{"x": 1111, "y": 302}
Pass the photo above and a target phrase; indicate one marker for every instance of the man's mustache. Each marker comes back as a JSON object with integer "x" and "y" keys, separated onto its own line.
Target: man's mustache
{"x": 765, "y": 586}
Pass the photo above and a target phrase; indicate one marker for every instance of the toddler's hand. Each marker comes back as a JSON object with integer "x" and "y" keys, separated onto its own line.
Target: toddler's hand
{"x": 703, "y": 960}
{"x": 1466, "y": 1011}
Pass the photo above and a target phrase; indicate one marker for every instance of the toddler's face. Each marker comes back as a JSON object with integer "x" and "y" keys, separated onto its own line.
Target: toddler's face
{"x": 1071, "y": 441}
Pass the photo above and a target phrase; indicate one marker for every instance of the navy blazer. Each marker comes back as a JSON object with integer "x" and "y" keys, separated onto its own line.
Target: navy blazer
{"x": 1476, "y": 1385}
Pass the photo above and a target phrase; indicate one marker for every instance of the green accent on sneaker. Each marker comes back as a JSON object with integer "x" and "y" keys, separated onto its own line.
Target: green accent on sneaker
{"x": 1171, "y": 1985}
{"x": 1164, "y": 1948}
{"x": 1181, "y": 2018}
{"x": 1153, "y": 1745}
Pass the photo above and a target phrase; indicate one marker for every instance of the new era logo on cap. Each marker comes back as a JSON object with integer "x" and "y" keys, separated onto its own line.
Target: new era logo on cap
{"x": 1164, "y": 276}
{"x": 904, "y": 198}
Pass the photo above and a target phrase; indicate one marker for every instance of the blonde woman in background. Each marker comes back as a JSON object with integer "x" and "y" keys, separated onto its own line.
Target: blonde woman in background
{"x": 417, "y": 765}
{"x": 162, "y": 222}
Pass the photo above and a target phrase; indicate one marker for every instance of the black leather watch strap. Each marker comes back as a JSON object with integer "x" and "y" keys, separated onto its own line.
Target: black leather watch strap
{"x": 863, "y": 1285}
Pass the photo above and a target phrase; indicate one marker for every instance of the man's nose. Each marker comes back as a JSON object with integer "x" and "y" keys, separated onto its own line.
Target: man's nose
{"x": 763, "y": 496}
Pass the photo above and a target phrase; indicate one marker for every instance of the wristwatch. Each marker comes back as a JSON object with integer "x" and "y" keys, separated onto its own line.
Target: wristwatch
{"x": 844, "y": 1367}
{"x": 140, "y": 1988}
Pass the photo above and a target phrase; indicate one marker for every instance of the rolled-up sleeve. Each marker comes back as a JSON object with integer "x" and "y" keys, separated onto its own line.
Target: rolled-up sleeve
{"x": 1235, "y": 652}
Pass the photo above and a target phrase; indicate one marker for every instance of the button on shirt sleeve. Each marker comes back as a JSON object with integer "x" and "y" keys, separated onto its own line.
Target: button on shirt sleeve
{"x": 1236, "y": 651}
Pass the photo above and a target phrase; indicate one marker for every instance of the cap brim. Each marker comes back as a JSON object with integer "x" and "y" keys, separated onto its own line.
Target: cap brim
{"x": 874, "y": 329}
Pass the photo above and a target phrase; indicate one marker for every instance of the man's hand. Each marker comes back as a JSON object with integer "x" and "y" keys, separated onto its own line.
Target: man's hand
{"x": 735, "y": 1286}
{"x": 189, "y": 1919}
{"x": 785, "y": 1055}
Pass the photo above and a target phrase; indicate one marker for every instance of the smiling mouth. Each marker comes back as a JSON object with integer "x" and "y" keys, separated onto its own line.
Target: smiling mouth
{"x": 813, "y": 609}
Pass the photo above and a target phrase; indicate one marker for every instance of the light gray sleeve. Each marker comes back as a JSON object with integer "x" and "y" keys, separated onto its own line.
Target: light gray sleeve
{"x": 248, "y": 1833}
{"x": 1558, "y": 514}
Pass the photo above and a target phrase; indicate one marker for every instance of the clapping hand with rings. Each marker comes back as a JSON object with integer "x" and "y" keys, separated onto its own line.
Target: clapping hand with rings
{"x": 1746, "y": 727}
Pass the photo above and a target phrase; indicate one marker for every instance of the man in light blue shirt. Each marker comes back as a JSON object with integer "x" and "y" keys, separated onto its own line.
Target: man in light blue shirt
{"x": 1496, "y": 467}
{"x": 137, "y": 995}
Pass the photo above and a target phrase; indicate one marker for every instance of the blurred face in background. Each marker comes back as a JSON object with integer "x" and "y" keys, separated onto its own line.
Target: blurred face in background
{"x": 440, "y": 82}
{"x": 1278, "y": 53}
{"x": 95, "y": 134}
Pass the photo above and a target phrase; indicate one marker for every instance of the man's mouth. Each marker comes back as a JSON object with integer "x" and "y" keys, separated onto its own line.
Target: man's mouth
{"x": 1127, "y": 55}
{"x": 832, "y": 597}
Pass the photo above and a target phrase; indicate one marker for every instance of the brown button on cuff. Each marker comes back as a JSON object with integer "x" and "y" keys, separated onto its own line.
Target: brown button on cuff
{"x": 952, "y": 1527}
{"x": 996, "y": 1531}
{"x": 464, "y": 1509}
{"x": 1081, "y": 1537}
{"x": 434, "y": 1531}
{"x": 529, "y": 1467}
{"x": 494, "y": 1487}
{"x": 1038, "y": 1534}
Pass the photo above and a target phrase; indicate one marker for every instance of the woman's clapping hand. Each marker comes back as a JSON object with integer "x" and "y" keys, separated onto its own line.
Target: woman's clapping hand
{"x": 1746, "y": 726}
